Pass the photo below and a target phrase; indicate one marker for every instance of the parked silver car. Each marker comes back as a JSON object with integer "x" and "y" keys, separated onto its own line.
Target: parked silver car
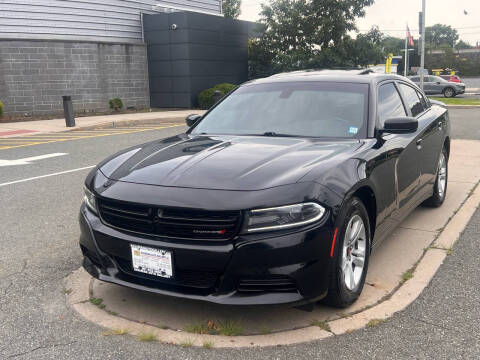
{"x": 436, "y": 85}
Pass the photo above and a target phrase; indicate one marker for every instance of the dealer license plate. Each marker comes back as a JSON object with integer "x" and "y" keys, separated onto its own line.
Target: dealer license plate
{"x": 152, "y": 261}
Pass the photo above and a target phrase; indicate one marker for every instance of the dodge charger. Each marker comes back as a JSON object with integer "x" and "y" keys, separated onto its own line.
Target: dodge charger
{"x": 278, "y": 194}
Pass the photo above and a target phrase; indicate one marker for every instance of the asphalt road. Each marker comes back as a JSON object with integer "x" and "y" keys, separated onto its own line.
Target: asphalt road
{"x": 38, "y": 248}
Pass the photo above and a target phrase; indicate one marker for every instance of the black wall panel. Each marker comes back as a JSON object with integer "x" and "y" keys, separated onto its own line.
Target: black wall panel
{"x": 190, "y": 52}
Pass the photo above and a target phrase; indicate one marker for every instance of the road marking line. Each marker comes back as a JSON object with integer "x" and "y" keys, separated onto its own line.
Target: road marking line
{"x": 26, "y": 161}
{"x": 48, "y": 175}
{"x": 81, "y": 137}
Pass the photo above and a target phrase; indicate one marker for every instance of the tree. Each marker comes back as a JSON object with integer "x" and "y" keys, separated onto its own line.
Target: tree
{"x": 231, "y": 8}
{"x": 440, "y": 34}
{"x": 301, "y": 34}
{"x": 463, "y": 45}
{"x": 368, "y": 48}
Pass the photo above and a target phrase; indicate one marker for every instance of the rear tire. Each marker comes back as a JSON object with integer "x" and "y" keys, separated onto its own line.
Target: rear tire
{"x": 351, "y": 255}
{"x": 449, "y": 92}
{"x": 441, "y": 182}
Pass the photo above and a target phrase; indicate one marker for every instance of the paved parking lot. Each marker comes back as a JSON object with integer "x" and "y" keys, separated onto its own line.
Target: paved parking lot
{"x": 38, "y": 248}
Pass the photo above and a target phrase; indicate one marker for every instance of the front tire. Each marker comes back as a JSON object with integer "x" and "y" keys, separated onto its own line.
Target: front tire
{"x": 441, "y": 182}
{"x": 351, "y": 255}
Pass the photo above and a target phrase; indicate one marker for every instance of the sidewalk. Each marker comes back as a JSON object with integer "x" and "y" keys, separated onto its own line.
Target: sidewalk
{"x": 58, "y": 125}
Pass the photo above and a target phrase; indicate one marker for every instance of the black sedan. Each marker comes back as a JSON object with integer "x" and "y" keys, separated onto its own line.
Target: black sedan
{"x": 278, "y": 194}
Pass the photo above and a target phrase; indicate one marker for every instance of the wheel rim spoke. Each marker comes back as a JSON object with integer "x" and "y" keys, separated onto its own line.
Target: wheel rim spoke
{"x": 349, "y": 278}
{"x": 358, "y": 261}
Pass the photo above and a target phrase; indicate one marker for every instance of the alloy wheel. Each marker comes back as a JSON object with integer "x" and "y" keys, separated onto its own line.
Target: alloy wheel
{"x": 448, "y": 93}
{"x": 353, "y": 254}
{"x": 442, "y": 175}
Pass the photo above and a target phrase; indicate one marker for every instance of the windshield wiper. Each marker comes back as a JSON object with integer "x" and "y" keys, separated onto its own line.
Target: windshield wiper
{"x": 274, "y": 134}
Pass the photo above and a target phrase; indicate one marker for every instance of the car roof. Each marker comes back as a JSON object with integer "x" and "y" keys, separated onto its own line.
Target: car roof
{"x": 366, "y": 76}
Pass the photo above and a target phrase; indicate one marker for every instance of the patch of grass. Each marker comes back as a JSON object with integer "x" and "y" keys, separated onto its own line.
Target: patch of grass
{"x": 201, "y": 329}
{"x": 114, "y": 313}
{"x": 449, "y": 251}
{"x": 457, "y": 101}
{"x": 96, "y": 301}
{"x": 101, "y": 306}
{"x": 147, "y": 336}
{"x": 116, "y": 332}
{"x": 265, "y": 331}
{"x": 374, "y": 322}
{"x": 407, "y": 275}
{"x": 321, "y": 324}
{"x": 67, "y": 291}
{"x": 230, "y": 328}
{"x": 186, "y": 343}
{"x": 208, "y": 345}
{"x": 197, "y": 328}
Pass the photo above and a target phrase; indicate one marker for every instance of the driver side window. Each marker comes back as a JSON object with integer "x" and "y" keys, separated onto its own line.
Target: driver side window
{"x": 389, "y": 103}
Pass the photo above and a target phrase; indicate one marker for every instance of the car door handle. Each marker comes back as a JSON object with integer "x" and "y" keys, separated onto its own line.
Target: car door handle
{"x": 419, "y": 143}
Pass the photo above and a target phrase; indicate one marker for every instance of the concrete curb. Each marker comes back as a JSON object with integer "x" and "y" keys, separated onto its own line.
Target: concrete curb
{"x": 464, "y": 106}
{"x": 78, "y": 285}
{"x": 120, "y": 123}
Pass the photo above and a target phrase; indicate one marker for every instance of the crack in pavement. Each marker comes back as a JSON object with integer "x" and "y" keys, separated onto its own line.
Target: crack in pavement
{"x": 39, "y": 348}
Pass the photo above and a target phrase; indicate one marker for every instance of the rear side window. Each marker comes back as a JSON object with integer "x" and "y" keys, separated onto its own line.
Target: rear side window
{"x": 389, "y": 103}
{"x": 412, "y": 100}
{"x": 423, "y": 100}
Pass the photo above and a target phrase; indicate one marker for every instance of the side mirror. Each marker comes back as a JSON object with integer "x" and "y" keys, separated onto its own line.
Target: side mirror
{"x": 400, "y": 125}
{"x": 438, "y": 83}
{"x": 192, "y": 119}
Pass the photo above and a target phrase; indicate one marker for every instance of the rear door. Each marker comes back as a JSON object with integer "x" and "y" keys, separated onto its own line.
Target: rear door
{"x": 433, "y": 124}
{"x": 429, "y": 85}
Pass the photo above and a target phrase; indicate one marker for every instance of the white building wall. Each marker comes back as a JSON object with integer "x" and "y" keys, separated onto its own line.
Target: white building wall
{"x": 91, "y": 20}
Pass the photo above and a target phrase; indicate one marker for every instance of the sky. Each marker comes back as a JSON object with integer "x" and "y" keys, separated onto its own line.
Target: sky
{"x": 391, "y": 16}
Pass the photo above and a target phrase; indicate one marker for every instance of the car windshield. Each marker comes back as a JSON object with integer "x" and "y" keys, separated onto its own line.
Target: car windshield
{"x": 310, "y": 109}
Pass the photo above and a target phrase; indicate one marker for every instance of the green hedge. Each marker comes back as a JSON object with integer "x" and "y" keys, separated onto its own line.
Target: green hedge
{"x": 116, "y": 103}
{"x": 206, "y": 98}
{"x": 1, "y": 108}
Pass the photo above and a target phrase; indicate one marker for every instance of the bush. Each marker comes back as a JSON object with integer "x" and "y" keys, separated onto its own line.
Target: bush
{"x": 206, "y": 98}
{"x": 1, "y": 108}
{"x": 116, "y": 103}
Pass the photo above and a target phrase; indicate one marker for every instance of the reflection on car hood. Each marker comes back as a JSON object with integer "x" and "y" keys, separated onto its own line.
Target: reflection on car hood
{"x": 226, "y": 162}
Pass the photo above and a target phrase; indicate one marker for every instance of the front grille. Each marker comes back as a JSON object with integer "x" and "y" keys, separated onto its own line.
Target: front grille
{"x": 201, "y": 279}
{"x": 267, "y": 284}
{"x": 170, "y": 222}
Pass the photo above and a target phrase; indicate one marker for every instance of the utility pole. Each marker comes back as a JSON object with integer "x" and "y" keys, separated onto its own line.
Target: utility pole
{"x": 422, "y": 54}
{"x": 405, "y": 62}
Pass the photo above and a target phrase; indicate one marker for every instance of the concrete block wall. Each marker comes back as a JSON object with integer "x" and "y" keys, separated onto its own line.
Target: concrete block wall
{"x": 34, "y": 75}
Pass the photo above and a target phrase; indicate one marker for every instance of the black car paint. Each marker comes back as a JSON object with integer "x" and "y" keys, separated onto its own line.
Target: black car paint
{"x": 225, "y": 172}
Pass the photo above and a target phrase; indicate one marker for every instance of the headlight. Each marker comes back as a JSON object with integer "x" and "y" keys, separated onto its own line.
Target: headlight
{"x": 283, "y": 217}
{"x": 90, "y": 200}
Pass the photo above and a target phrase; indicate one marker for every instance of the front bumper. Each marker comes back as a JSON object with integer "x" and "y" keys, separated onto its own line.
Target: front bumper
{"x": 254, "y": 269}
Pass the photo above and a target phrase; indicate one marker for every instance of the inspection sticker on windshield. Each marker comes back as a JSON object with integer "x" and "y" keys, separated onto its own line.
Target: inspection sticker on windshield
{"x": 152, "y": 261}
{"x": 353, "y": 130}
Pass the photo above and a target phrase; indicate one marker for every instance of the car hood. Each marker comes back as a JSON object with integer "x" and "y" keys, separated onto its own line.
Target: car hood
{"x": 225, "y": 162}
